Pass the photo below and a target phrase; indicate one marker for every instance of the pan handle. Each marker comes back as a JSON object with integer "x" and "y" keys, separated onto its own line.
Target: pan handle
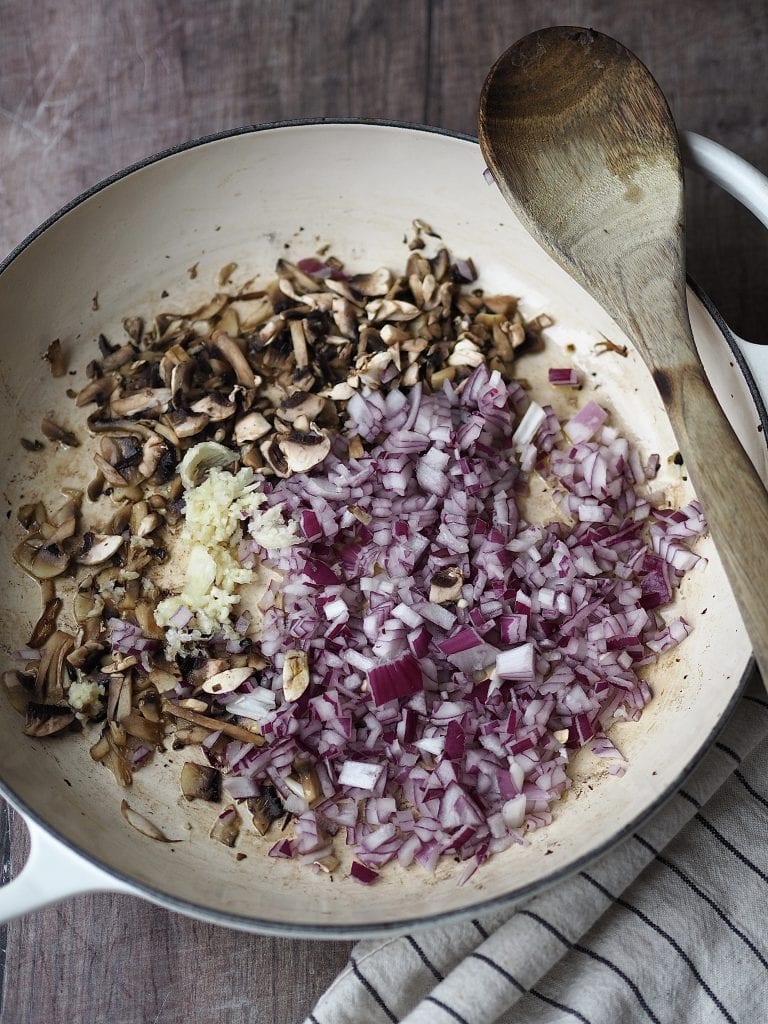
{"x": 745, "y": 183}
{"x": 52, "y": 872}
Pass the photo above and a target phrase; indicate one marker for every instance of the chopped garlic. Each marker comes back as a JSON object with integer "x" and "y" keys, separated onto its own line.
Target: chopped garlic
{"x": 84, "y": 695}
{"x": 215, "y": 513}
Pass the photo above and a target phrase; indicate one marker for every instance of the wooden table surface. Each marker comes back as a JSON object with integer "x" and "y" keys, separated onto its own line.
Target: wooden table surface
{"x": 88, "y": 86}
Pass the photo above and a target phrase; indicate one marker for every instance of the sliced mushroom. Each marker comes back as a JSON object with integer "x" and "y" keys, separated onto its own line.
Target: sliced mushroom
{"x": 47, "y": 719}
{"x": 54, "y": 356}
{"x": 216, "y": 407}
{"x": 143, "y": 729}
{"x": 310, "y": 784}
{"x": 18, "y": 686}
{"x": 265, "y": 808}
{"x": 200, "y": 782}
{"x": 100, "y": 749}
{"x": 234, "y": 355}
{"x": 152, "y": 451}
{"x": 226, "y": 828}
{"x": 274, "y": 456}
{"x": 295, "y": 674}
{"x": 119, "y": 696}
{"x": 98, "y": 390}
{"x": 150, "y": 705}
{"x": 446, "y": 585}
{"x": 45, "y": 626}
{"x": 227, "y": 681}
{"x": 301, "y": 404}
{"x": 250, "y": 428}
{"x": 143, "y": 825}
{"x": 86, "y": 656}
{"x": 187, "y": 424}
{"x": 380, "y": 310}
{"x": 202, "y": 458}
{"x": 41, "y": 560}
{"x": 304, "y": 449}
{"x": 98, "y": 548}
{"x": 55, "y": 432}
{"x": 372, "y": 285}
{"x": 237, "y": 732}
{"x": 145, "y": 402}
{"x": 119, "y": 460}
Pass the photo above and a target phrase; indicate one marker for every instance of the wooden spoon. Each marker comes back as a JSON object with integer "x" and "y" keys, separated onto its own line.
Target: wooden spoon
{"x": 583, "y": 146}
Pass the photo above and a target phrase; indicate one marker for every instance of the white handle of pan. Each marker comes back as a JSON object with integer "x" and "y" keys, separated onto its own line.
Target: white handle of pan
{"x": 52, "y": 873}
{"x": 745, "y": 183}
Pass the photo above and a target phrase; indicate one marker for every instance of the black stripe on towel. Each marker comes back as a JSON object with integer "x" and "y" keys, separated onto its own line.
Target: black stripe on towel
{"x": 560, "y": 1006}
{"x": 597, "y": 957}
{"x": 721, "y": 839}
{"x": 730, "y": 752}
{"x": 480, "y": 928}
{"x": 665, "y": 935}
{"x": 497, "y": 967}
{"x": 707, "y": 899}
{"x": 372, "y": 991}
{"x": 446, "y": 1009}
{"x": 753, "y": 792}
{"x": 424, "y": 958}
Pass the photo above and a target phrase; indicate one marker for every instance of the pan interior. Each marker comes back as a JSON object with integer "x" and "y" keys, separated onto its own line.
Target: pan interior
{"x": 252, "y": 198}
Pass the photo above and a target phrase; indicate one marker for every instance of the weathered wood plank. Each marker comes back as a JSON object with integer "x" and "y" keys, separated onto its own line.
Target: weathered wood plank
{"x": 88, "y": 88}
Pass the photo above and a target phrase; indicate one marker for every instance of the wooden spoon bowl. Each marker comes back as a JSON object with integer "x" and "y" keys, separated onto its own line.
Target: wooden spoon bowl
{"x": 583, "y": 147}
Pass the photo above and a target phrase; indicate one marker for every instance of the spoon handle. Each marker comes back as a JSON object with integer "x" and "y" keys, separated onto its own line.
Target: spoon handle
{"x": 731, "y": 492}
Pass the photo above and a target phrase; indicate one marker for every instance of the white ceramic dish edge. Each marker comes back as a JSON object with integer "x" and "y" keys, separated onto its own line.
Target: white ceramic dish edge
{"x": 55, "y": 871}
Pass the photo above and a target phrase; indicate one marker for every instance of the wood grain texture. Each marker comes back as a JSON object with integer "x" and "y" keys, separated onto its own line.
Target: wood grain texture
{"x": 87, "y": 87}
{"x": 583, "y": 147}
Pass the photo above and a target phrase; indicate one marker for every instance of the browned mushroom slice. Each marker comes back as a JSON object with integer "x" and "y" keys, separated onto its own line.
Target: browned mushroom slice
{"x": 304, "y": 449}
{"x": 187, "y": 424}
{"x": 265, "y": 808}
{"x": 310, "y": 785}
{"x": 54, "y": 356}
{"x": 301, "y": 281}
{"x": 273, "y": 455}
{"x": 150, "y": 705}
{"x": 47, "y": 719}
{"x": 98, "y": 390}
{"x": 18, "y": 686}
{"x": 200, "y": 782}
{"x": 226, "y": 828}
{"x": 143, "y": 824}
{"x": 235, "y": 356}
{"x": 237, "y": 732}
{"x": 87, "y": 655}
{"x": 100, "y": 749}
{"x": 32, "y": 516}
{"x": 250, "y": 428}
{"x": 45, "y": 626}
{"x": 152, "y": 451}
{"x": 301, "y": 403}
{"x": 143, "y": 729}
{"x": 98, "y": 548}
{"x": 145, "y": 402}
{"x": 55, "y": 432}
{"x": 215, "y": 407}
{"x": 117, "y": 358}
{"x": 119, "y": 459}
{"x": 41, "y": 560}
{"x": 51, "y": 668}
{"x": 446, "y": 585}
{"x": 372, "y": 285}
{"x": 119, "y": 696}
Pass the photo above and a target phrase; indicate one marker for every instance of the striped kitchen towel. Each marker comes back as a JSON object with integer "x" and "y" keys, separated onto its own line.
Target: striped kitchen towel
{"x": 671, "y": 926}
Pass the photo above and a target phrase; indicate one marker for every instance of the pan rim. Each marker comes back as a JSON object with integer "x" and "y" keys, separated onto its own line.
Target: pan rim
{"x": 373, "y": 929}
